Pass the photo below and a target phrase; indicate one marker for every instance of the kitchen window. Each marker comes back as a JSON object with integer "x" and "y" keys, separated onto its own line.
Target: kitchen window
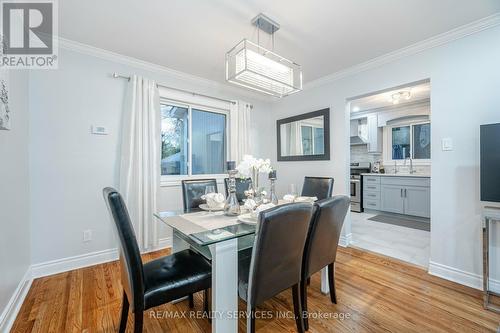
{"x": 412, "y": 140}
{"x": 193, "y": 140}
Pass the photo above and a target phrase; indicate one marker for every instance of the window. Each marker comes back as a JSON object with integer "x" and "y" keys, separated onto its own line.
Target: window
{"x": 312, "y": 140}
{"x": 193, "y": 140}
{"x": 411, "y": 141}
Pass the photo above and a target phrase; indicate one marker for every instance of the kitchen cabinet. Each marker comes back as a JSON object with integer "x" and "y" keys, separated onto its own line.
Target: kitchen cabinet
{"x": 417, "y": 201}
{"x": 400, "y": 195}
{"x": 374, "y": 144}
{"x": 392, "y": 199}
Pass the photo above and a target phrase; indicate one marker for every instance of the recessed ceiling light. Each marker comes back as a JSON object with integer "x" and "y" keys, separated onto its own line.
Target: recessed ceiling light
{"x": 355, "y": 109}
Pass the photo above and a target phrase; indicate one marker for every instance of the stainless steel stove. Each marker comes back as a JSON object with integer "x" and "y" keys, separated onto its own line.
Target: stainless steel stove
{"x": 357, "y": 168}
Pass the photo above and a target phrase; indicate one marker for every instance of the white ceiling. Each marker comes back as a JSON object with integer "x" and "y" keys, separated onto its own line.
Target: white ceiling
{"x": 324, "y": 36}
{"x": 418, "y": 92}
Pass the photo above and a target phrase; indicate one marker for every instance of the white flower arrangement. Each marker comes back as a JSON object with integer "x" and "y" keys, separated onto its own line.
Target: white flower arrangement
{"x": 251, "y": 167}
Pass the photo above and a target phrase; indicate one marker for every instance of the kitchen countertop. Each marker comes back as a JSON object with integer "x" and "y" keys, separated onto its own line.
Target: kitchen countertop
{"x": 418, "y": 175}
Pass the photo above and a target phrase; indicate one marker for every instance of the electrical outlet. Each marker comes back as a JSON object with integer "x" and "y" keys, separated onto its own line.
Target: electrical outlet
{"x": 87, "y": 235}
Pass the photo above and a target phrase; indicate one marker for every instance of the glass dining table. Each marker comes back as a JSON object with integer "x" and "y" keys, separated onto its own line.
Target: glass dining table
{"x": 218, "y": 238}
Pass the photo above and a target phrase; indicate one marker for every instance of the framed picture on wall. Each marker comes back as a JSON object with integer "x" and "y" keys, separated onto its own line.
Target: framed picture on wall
{"x": 5, "y": 115}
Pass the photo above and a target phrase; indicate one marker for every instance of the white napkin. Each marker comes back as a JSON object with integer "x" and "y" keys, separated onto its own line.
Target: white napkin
{"x": 306, "y": 199}
{"x": 289, "y": 197}
{"x": 262, "y": 208}
{"x": 214, "y": 199}
{"x": 249, "y": 204}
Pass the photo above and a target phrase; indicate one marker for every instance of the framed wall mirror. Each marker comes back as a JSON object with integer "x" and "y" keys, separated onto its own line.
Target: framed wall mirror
{"x": 305, "y": 137}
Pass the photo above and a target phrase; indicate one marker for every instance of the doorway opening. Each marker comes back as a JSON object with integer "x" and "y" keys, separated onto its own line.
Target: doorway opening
{"x": 390, "y": 171}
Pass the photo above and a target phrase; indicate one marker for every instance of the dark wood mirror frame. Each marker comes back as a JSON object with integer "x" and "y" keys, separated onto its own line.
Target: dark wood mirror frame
{"x": 323, "y": 157}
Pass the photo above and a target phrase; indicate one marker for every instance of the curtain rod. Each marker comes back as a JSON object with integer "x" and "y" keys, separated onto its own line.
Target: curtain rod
{"x": 119, "y": 76}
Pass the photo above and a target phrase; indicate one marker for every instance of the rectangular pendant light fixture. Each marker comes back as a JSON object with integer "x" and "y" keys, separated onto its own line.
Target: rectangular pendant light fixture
{"x": 254, "y": 67}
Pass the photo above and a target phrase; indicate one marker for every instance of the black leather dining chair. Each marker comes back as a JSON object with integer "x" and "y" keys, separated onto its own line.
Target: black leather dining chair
{"x": 242, "y": 185}
{"x": 192, "y": 190}
{"x": 322, "y": 242}
{"x": 155, "y": 282}
{"x": 275, "y": 264}
{"x": 320, "y": 187}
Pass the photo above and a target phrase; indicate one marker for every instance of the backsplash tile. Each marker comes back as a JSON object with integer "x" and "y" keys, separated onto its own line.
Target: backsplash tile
{"x": 359, "y": 153}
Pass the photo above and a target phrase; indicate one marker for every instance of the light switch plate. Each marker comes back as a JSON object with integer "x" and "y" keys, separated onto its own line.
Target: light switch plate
{"x": 447, "y": 144}
{"x": 99, "y": 130}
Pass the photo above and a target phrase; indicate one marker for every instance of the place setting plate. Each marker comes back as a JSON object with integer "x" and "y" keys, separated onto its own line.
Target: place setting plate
{"x": 247, "y": 219}
{"x": 213, "y": 209}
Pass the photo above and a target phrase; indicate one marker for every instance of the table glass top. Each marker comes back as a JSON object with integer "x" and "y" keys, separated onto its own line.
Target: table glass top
{"x": 206, "y": 228}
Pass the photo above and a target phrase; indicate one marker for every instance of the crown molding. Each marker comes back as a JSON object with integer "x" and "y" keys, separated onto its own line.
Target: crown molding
{"x": 444, "y": 38}
{"x": 86, "y": 49}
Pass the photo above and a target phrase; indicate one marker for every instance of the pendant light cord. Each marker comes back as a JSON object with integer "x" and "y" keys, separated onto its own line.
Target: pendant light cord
{"x": 272, "y": 36}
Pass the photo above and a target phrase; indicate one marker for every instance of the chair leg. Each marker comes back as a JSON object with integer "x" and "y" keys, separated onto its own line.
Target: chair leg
{"x": 191, "y": 301}
{"x": 331, "y": 282}
{"x": 206, "y": 300}
{"x": 124, "y": 314}
{"x": 303, "y": 298}
{"x": 138, "y": 321}
{"x": 297, "y": 308}
{"x": 251, "y": 321}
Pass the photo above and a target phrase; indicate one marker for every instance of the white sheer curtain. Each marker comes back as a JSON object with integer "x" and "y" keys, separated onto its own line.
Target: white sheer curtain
{"x": 140, "y": 157}
{"x": 240, "y": 130}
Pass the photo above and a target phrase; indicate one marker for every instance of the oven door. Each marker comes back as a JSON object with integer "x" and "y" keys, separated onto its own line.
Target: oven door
{"x": 356, "y": 190}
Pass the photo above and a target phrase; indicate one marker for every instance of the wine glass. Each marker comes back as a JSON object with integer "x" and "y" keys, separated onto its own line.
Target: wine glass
{"x": 293, "y": 191}
{"x": 209, "y": 189}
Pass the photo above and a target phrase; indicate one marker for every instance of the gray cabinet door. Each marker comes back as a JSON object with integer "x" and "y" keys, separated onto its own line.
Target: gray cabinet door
{"x": 417, "y": 201}
{"x": 391, "y": 199}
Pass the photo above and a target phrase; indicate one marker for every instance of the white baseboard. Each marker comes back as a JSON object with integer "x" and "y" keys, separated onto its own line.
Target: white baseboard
{"x": 344, "y": 241}
{"x": 85, "y": 260}
{"x": 462, "y": 277}
{"x": 10, "y": 312}
{"x": 71, "y": 263}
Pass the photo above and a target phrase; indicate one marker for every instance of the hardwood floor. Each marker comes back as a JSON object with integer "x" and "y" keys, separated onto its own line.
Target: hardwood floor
{"x": 375, "y": 294}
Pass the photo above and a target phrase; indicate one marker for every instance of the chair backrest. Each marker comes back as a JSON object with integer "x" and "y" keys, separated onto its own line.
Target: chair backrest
{"x": 324, "y": 233}
{"x": 278, "y": 249}
{"x": 132, "y": 274}
{"x": 320, "y": 187}
{"x": 192, "y": 190}
{"x": 242, "y": 185}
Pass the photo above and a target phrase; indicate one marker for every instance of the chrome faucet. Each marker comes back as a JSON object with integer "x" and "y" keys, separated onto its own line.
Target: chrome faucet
{"x": 395, "y": 167}
{"x": 412, "y": 171}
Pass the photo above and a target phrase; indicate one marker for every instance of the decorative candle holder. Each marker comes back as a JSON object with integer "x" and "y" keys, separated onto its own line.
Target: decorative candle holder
{"x": 232, "y": 206}
{"x": 272, "y": 193}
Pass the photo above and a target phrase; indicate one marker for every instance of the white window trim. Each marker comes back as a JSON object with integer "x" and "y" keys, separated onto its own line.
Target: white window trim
{"x": 175, "y": 180}
{"x": 388, "y": 144}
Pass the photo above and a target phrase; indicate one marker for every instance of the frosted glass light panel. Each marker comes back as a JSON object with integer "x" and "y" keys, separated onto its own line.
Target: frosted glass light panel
{"x": 257, "y": 68}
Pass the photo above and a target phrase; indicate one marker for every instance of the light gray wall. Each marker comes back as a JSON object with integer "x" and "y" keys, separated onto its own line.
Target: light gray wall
{"x": 69, "y": 166}
{"x": 465, "y": 81}
{"x": 14, "y": 191}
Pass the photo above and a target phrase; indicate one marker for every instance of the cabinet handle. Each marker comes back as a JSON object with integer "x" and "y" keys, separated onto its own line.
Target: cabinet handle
{"x": 405, "y": 193}
{"x": 401, "y": 193}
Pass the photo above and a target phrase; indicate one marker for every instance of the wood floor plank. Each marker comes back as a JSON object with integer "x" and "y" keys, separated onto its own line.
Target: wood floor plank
{"x": 375, "y": 294}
